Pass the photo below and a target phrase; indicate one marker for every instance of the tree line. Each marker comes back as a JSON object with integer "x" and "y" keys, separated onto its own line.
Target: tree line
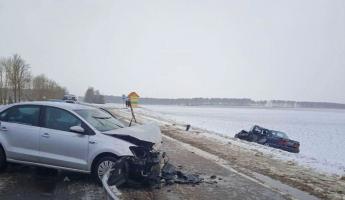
{"x": 93, "y": 96}
{"x": 229, "y": 102}
{"x": 18, "y": 84}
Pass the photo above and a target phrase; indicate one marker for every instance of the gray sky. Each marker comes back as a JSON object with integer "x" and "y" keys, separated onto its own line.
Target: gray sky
{"x": 262, "y": 49}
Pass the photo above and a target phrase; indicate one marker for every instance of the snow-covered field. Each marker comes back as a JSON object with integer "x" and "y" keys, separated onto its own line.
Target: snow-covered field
{"x": 320, "y": 132}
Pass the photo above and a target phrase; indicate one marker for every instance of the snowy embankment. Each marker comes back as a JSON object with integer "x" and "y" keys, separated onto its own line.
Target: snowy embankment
{"x": 320, "y": 132}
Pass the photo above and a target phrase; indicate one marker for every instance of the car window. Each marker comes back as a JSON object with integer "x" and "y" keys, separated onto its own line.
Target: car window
{"x": 59, "y": 119}
{"x": 280, "y": 134}
{"x": 266, "y": 132}
{"x": 257, "y": 129}
{"x": 28, "y": 115}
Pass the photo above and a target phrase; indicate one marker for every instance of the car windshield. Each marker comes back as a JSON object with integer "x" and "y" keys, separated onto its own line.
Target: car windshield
{"x": 281, "y": 134}
{"x": 99, "y": 119}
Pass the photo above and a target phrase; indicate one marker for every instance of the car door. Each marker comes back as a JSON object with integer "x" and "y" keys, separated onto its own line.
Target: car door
{"x": 59, "y": 146}
{"x": 274, "y": 140}
{"x": 19, "y": 132}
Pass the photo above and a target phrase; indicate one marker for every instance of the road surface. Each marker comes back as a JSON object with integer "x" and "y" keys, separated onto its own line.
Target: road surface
{"x": 25, "y": 182}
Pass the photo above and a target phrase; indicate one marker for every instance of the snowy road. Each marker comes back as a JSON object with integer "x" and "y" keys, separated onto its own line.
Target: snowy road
{"x": 23, "y": 182}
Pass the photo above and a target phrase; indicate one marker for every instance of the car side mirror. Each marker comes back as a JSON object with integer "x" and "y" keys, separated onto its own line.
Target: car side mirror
{"x": 77, "y": 129}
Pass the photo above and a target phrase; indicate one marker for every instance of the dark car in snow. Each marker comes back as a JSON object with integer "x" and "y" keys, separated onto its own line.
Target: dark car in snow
{"x": 272, "y": 138}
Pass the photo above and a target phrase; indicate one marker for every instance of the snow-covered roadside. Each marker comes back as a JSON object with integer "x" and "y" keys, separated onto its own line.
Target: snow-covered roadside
{"x": 247, "y": 158}
{"x": 323, "y": 166}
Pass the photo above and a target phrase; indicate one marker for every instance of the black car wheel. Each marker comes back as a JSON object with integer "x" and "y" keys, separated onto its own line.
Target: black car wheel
{"x": 262, "y": 141}
{"x": 102, "y": 166}
{"x": 2, "y": 159}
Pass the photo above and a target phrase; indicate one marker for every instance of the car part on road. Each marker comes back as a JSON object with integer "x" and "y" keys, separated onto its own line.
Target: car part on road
{"x": 171, "y": 175}
{"x": 102, "y": 166}
{"x": 112, "y": 193}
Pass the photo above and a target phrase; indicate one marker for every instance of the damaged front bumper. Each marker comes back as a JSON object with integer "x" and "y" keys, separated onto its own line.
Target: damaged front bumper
{"x": 143, "y": 168}
{"x": 150, "y": 170}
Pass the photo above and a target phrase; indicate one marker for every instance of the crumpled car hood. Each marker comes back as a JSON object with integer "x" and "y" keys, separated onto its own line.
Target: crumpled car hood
{"x": 149, "y": 133}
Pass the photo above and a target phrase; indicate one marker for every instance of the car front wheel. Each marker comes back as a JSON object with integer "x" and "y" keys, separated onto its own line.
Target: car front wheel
{"x": 102, "y": 166}
{"x": 2, "y": 158}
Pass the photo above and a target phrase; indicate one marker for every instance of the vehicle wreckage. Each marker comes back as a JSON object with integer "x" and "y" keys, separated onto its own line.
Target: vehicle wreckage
{"x": 145, "y": 164}
{"x": 267, "y": 137}
{"x": 148, "y": 167}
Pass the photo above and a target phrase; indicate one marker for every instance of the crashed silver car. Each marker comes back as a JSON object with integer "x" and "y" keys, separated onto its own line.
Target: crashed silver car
{"x": 77, "y": 138}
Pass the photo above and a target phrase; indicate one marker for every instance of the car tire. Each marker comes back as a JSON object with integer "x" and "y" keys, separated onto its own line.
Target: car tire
{"x": 102, "y": 166}
{"x": 3, "y": 162}
{"x": 262, "y": 141}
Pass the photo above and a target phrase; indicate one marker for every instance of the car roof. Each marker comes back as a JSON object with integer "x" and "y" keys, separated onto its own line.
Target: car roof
{"x": 63, "y": 105}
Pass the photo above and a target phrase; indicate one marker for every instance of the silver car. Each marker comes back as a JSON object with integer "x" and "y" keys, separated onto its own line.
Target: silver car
{"x": 77, "y": 138}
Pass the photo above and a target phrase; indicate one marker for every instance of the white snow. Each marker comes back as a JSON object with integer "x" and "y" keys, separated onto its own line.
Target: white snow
{"x": 320, "y": 132}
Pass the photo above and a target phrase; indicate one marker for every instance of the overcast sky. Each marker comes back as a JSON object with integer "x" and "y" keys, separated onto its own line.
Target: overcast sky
{"x": 260, "y": 49}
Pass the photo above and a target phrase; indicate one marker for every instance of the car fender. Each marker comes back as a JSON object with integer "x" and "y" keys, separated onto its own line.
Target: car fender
{"x": 107, "y": 144}
{"x": 3, "y": 142}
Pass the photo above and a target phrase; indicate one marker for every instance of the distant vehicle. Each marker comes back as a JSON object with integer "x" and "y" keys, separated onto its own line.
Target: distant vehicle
{"x": 272, "y": 138}
{"x": 70, "y": 98}
{"x": 56, "y": 100}
{"x": 78, "y": 138}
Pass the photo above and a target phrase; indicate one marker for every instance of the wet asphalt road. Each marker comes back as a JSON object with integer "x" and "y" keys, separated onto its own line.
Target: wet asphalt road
{"x": 24, "y": 182}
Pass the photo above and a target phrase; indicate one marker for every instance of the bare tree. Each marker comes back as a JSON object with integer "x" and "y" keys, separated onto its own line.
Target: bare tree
{"x": 44, "y": 88}
{"x": 17, "y": 84}
{"x": 89, "y": 95}
{"x": 3, "y": 89}
{"x": 93, "y": 96}
{"x": 17, "y": 73}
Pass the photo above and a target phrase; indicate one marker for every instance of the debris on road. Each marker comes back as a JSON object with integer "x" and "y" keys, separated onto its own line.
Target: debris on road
{"x": 213, "y": 177}
{"x": 171, "y": 175}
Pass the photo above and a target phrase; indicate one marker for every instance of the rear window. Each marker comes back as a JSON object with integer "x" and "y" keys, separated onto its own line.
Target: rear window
{"x": 280, "y": 134}
{"x": 27, "y": 114}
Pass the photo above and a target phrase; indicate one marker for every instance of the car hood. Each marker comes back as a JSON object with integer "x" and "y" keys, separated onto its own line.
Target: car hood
{"x": 148, "y": 134}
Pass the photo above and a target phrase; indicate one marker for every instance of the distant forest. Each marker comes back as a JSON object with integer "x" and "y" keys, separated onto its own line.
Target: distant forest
{"x": 245, "y": 102}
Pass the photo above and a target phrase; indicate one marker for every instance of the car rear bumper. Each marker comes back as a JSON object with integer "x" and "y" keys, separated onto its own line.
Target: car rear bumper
{"x": 290, "y": 149}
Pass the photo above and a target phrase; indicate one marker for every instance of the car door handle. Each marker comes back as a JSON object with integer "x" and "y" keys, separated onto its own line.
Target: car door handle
{"x": 92, "y": 142}
{"x": 46, "y": 135}
{"x": 3, "y": 128}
